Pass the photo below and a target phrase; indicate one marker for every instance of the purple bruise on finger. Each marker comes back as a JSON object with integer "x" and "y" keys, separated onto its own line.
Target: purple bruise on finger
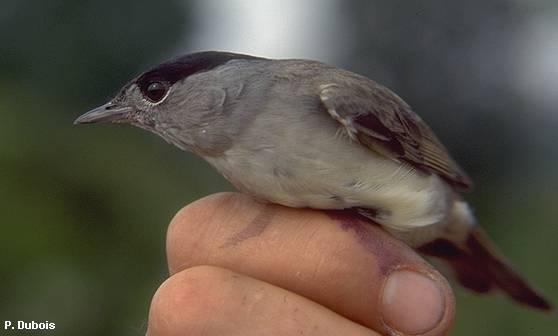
{"x": 366, "y": 232}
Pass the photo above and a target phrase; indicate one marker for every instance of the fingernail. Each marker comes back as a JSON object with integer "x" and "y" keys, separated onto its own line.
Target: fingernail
{"x": 411, "y": 303}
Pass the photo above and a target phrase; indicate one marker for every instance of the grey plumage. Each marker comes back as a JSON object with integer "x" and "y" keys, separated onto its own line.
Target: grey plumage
{"x": 305, "y": 134}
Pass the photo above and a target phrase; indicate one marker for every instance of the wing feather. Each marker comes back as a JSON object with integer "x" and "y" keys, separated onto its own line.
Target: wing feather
{"x": 383, "y": 122}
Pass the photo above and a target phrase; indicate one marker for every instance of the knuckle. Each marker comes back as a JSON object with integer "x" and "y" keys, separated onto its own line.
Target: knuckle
{"x": 190, "y": 227}
{"x": 201, "y": 209}
{"x": 185, "y": 303}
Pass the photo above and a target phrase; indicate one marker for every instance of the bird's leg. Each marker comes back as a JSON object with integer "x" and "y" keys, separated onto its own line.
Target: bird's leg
{"x": 254, "y": 228}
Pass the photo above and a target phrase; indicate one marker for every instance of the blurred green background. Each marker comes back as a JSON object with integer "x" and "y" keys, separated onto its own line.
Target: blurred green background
{"x": 85, "y": 209}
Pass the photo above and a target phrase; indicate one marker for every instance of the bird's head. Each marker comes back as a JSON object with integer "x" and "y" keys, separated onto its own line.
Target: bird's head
{"x": 182, "y": 100}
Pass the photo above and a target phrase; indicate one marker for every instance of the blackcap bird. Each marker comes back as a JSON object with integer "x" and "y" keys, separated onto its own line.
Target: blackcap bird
{"x": 305, "y": 134}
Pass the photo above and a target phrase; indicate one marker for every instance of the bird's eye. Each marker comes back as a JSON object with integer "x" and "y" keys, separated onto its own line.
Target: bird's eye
{"x": 155, "y": 91}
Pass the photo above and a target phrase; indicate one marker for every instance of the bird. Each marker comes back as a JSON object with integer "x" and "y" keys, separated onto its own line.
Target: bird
{"x": 304, "y": 134}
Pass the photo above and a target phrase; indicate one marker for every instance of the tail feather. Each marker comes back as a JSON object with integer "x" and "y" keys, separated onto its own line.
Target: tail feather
{"x": 478, "y": 266}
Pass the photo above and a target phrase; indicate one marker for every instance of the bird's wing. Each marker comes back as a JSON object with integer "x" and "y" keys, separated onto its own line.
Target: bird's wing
{"x": 383, "y": 122}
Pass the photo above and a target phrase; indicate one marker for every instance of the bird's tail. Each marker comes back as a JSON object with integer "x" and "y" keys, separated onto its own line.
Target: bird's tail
{"x": 480, "y": 267}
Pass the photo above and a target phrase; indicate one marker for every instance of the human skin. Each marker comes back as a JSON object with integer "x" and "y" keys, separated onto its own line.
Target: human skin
{"x": 238, "y": 267}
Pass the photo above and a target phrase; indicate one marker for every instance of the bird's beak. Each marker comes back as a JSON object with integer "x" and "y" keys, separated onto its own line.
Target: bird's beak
{"x": 105, "y": 113}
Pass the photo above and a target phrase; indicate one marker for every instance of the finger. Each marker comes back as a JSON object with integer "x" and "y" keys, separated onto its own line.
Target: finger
{"x": 353, "y": 268}
{"x": 210, "y": 301}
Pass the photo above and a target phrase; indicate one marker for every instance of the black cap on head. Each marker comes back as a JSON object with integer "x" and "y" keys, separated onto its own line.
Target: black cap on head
{"x": 181, "y": 67}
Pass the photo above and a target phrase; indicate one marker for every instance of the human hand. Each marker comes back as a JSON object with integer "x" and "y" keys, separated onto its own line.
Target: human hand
{"x": 243, "y": 268}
